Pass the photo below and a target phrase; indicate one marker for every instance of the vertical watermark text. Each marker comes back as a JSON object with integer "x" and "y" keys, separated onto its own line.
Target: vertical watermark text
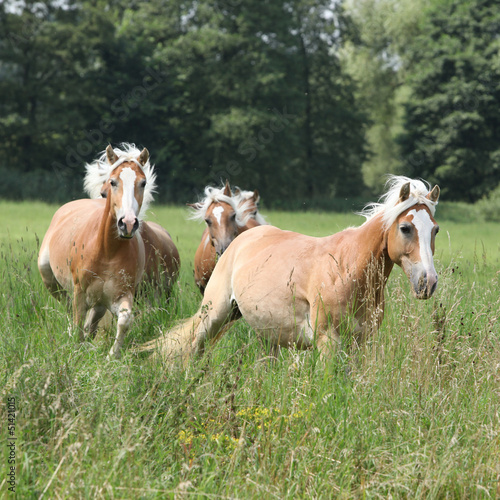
{"x": 11, "y": 444}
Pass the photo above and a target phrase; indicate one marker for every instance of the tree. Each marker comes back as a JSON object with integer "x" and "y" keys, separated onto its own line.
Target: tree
{"x": 50, "y": 55}
{"x": 250, "y": 91}
{"x": 452, "y": 121}
{"x": 374, "y": 57}
{"x": 257, "y": 95}
{"x": 333, "y": 123}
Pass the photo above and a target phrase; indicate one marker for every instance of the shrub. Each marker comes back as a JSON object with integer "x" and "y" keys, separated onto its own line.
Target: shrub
{"x": 489, "y": 206}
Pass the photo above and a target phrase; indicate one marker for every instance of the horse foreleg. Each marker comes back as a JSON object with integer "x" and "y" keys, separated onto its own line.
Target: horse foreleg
{"x": 326, "y": 331}
{"x": 217, "y": 316}
{"x": 123, "y": 310}
{"x": 94, "y": 316}
{"x": 79, "y": 311}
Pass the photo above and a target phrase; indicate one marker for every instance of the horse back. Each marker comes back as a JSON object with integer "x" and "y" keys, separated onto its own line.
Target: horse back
{"x": 161, "y": 254}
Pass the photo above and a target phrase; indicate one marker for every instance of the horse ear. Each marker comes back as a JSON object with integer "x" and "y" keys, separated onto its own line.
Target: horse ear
{"x": 237, "y": 191}
{"x": 256, "y": 196}
{"x": 227, "y": 189}
{"x": 434, "y": 194}
{"x": 143, "y": 157}
{"x": 404, "y": 194}
{"x": 111, "y": 155}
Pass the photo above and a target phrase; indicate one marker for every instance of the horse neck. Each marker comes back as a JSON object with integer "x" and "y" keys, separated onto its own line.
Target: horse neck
{"x": 249, "y": 225}
{"x": 108, "y": 241}
{"x": 374, "y": 264}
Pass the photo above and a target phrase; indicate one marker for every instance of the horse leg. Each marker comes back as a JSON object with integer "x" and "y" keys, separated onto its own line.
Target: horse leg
{"x": 218, "y": 313}
{"x": 92, "y": 321}
{"x": 123, "y": 310}
{"x": 79, "y": 311}
{"x": 326, "y": 331}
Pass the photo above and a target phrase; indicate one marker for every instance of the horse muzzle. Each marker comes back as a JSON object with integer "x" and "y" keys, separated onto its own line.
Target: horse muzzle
{"x": 127, "y": 226}
{"x": 220, "y": 248}
{"x": 425, "y": 285}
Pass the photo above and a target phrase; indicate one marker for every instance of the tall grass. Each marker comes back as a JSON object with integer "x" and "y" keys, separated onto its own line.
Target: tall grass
{"x": 414, "y": 413}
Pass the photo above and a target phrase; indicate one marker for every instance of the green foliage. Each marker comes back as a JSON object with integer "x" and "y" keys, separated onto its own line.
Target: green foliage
{"x": 454, "y": 74}
{"x": 413, "y": 413}
{"x": 309, "y": 101}
{"x": 239, "y": 90}
{"x": 489, "y": 206}
{"x": 50, "y": 59}
{"x": 372, "y": 57}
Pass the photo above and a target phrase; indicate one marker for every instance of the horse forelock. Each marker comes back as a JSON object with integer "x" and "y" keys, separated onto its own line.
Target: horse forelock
{"x": 245, "y": 207}
{"x": 99, "y": 171}
{"x": 215, "y": 195}
{"x": 389, "y": 205}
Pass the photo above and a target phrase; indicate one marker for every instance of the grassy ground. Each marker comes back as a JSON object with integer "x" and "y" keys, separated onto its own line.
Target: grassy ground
{"x": 414, "y": 413}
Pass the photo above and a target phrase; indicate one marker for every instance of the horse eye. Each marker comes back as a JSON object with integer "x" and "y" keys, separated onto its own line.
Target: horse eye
{"x": 143, "y": 184}
{"x": 113, "y": 183}
{"x": 208, "y": 221}
{"x": 405, "y": 229}
{"x": 437, "y": 229}
{"x": 233, "y": 216}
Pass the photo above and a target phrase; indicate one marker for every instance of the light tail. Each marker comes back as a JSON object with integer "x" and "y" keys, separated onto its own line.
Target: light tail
{"x": 176, "y": 343}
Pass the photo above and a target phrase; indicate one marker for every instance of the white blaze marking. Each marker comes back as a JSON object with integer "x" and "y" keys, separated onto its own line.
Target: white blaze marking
{"x": 207, "y": 240}
{"x": 129, "y": 203}
{"x": 218, "y": 213}
{"x": 423, "y": 224}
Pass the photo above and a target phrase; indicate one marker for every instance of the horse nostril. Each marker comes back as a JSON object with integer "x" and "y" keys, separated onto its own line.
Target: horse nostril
{"x": 433, "y": 288}
{"x": 121, "y": 224}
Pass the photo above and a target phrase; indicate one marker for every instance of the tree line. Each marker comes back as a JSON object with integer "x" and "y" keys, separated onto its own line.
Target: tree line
{"x": 310, "y": 101}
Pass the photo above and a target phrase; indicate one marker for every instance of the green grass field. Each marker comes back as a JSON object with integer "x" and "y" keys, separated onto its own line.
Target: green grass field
{"x": 413, "y": 414}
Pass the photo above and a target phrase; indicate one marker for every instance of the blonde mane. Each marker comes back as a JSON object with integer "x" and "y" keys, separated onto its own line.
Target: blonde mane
{"x": 389, "y": 205}
{"x": 216, "y": 195}
{"x": 244, "y": 202}
{"x": 99, "y": 170}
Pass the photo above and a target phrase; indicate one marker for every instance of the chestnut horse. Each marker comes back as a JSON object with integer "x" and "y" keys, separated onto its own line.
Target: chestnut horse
{"x": 162, "y": 261}
{"x": 93, "y": 247}
{"x": 297, "y": 290}
{"x": 226, "y": 217}
{"x": 248, "y": 203}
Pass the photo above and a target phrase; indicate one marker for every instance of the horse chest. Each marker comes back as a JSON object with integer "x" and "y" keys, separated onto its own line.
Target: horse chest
{"x": 107, "y": 278}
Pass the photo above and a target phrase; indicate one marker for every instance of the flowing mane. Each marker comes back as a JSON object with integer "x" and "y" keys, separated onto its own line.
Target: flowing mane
{"x": 389, "y": 205}
{"x": 99, "y": 170}
{"x": 216, "y": 195}
{"x": 244, "y": 202}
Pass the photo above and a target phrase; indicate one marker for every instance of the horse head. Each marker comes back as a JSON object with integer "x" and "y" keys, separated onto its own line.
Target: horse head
{"x": 219, "y": 211}
{"x": 124, "y": 190}
{"x": 410, "y": 241}
{"x": 247, "y": 203}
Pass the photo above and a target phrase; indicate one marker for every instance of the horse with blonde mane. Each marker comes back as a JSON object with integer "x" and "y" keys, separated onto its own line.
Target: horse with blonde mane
{"x": 227, "y": 215}
{"x": 296, "y": 290}
{"x": 93, "y": 247}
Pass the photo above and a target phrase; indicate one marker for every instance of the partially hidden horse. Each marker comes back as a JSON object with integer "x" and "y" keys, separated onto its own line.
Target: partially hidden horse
{"x": 162, "y": 261}
{"x": 226, "y": 215}
{"x": 93, "y": 247}
{"x": 297, "y": 290}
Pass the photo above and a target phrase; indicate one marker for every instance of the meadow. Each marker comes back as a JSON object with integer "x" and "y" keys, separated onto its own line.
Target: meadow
{"x": 414, "y": 413}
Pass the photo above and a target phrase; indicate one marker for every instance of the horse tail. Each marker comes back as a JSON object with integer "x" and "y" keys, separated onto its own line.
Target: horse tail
{"x": 175, "y": 343}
